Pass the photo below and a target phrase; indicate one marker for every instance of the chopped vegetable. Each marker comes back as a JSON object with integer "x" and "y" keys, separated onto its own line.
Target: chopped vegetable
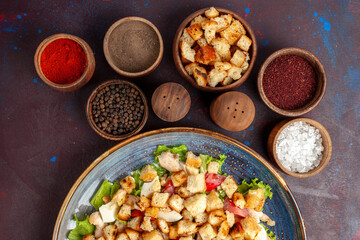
{"x": 207, "y": 159}
{"x": 104, "y": 190}
{"x": 231, "y": 207}
{"x": 137, "y": 213}
{"x": 159, "y": 169}
{"x": 222, "y": 194}
{"x": 82, "y": 228}
{"x": 138, "y": 182}
{"x": 270, "y": 233}
{"x": 213, "y": 180}
{"x": 114, "y": 188}
{"x": 169, "y": 188}
{"x": 255, "y": 184}
{"x": 179, "y": 150}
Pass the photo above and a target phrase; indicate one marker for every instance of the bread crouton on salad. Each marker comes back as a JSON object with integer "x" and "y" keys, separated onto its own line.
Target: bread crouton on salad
{"x": 202, "y": 203}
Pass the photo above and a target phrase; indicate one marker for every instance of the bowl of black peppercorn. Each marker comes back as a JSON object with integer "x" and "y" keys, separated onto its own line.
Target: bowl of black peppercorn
{"x": 117, "y": 109}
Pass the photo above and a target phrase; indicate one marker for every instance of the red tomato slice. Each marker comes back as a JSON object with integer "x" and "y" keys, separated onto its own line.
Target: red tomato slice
{"x": 231, "y": 207}
{"x": 169, "y": 188}
{"x": 137, "y": 213}
{"x": 213, "y": 180}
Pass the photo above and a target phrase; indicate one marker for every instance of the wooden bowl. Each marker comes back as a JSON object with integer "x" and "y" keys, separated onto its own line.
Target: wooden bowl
{"x": 181, "y": 69}
{"x": 105, "y": 134}
{"x": 112, "y": 59}
{"x": 326, "y": 142}
{"x": 320, "y": 74}
{"x": 85, "y": 77}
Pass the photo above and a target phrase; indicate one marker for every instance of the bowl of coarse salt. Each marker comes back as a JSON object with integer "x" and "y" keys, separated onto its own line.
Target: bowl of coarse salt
{"x": 301, "y": 147}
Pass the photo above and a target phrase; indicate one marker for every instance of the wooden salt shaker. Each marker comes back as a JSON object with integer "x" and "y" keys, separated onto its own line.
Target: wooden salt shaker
{"x": 233, "y": 111}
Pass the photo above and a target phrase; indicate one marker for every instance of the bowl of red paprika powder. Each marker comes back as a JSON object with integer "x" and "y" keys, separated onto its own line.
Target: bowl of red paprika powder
{"x": 64, "y": 62}
{"x": 292, "y": 81}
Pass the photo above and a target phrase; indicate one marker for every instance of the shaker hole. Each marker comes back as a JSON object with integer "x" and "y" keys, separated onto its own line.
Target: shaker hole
{"x": 242, "y": 111}
{"x": 235, "y": 109}
{"x": 228, "y": 107}
{"x": 237, "y": 103}
{"x": 168, "y": 107}
{"x": 177, "y": 98}
{"x": 164, "y": 96}
{"x": 234, "y": 117}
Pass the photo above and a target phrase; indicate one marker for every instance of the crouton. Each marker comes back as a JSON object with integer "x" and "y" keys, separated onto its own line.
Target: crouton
{"x": 176, "y": 202}
{"x": 153, "y": 235}
{"x": 227, "y": 80}
{"x": 187, "y": 54}
{"x": 120, "y": 226}
{"x": 152, "y": 212}
{"x": 190, "y": 67}
{"x": 201, "y": 218}
{"x": 142, "y": 203}
{"x": 234, "y": 73}
{"x": 146, "y": 224}
{"x": 238, "y": 58}
{"x": 119, "y": 197}
{"x": 216, "y": 217}
{"x": 131, "y": 200}
{"x": 122, "y": 236}
{"x": 125, "y": 212}
{"x": 106, "y": 199}
{"x": 223, "y": 22}
{"x": 210, "y": 28}
{"x": 163, "y": 225}
{"x": 232, "y": 33}
{"x": 237, "y": 232}
{"x": 128, "y": 184}
{"x": 178, "y": 178}
{"x": 110, "y": 232}
{"x": 88, "y": 237}
{"x": 164, "y": 180}
{"x": 134, "y": 223}
{"x": 229, "y": 186}
{"x": 196, "y": 183}
{"x": 199, "y": 19}
{"x": 230, "y": 218}
{"x": 223, "y": 230}
{"x": 160, "y": 199}
{"x": 222, "y": 47}
{"x": 191, "y": 170}
{"x": 149, "y": 188}
{"x": 173, "y": 233}
{"x": 202, "y": 42}
{"x": 239, "y": 200}
{"x": 195, "y": 31}
{"x": 250, "y": 226}
{"x": 213, "y": 167}
{"x": 207, "y": 232}
{"x": 148, "y": 174}
{"x": 183, "y": 192}
{"x": 100, "y": 238}
{"x": 244, "y": 67}
{"x": 186, "y": 238}
{"x": 218, "y": 59}
{"x": 185, "y": 227}
{"x": 241, "y": 27}
{"x": 213, "y": 202}
{"x": 244, "y": 43}
{"x": 133, "y": 235}
{"x": 200, "y": 76}
{"x": 215, "y": 76}
{"x": 255, "y": 199}
{"x": 187, "y": 38}
{"x": 211, "y": 12}
{"x": 196, "y": 204}
{"x": 221, "y": 66}
{"x": 193, "y": 160}
{"x": 187, "y": 215}
{"x": 205, "y": 55}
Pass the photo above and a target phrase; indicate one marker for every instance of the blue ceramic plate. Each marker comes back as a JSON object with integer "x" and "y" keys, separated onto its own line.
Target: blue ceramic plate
{"x": 242, "y": 162}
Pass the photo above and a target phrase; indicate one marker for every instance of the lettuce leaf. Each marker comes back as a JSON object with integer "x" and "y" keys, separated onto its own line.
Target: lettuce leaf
{"x": 179, "y": 150}
{"x": 114, "y": 189}
{"x": 138, "y": 182}
{"x": 82, "y": 228}
{"x": 255, "y": 184}
{"x": 104, "y": 190}
{"x": 206, "y": 159}
{"x": 159, "y": 169}
{"x": 222, "y": 194}
{"x": 270, "y": 233}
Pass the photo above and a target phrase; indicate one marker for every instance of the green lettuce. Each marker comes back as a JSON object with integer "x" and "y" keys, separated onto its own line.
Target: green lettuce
{"x": 179, "y": 150}
{"x": 255, "y": 184}
{"x": 222, "y": 194}
{"x": 138, "y": 182}
{"x": 82, "y": 228}
{"x": 104, "y": 190}
{"x": 159, "y": 169}
{"x": 114, "y": 189}
{"x": 206, "y": 159}
{"x": 270, "y": 233}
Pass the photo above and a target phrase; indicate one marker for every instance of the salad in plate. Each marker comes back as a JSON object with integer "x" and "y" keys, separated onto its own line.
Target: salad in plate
{"x": 181, "y": 196}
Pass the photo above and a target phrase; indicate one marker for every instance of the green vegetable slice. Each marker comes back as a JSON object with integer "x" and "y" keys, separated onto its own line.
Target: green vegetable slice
{"x": 222, "y": 194}
{"x": 104, "y": 190}
{"x": 82, "y": 228}
{"x": 270, "y": 233}
{"x": 206, "y": 159}
{"x": 255, "y": 184}
{"x": 179, "y": 150}
{"x": 138, "y": 182}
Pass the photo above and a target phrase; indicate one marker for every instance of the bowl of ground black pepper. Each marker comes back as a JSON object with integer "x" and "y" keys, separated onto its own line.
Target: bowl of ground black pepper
{"x": 292, "y": 81}
{"x": 133, "y": 47}
{"x": 117, "y": 109}
{"x": 64, "y": 62}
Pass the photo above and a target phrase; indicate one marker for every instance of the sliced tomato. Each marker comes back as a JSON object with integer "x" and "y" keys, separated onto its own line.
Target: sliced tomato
{"x": 137, "y": 213}
{"x": 231, "y": 207}
{"x": 213, "y": 180}
{"x": 169, "y": 188}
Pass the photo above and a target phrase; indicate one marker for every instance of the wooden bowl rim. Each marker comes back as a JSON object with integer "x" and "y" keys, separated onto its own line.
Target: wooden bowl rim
{"x": 90, "y": 64}
{"x": 324, "y": 135}
{"x": 309, "y": 106}
{"x": 107, "y": 52}
{"x": 181, "y": 69}
{"x": 107, "y": 135}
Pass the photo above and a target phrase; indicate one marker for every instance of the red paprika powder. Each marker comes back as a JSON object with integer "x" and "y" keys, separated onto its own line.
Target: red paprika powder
{"x": 289, "y": 82}
{"x": 63, "y": 61}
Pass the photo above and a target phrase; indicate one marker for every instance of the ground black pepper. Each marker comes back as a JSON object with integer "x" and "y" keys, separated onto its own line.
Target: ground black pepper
{"x": 117, "y": 109}
{"x": 289, "y": 82}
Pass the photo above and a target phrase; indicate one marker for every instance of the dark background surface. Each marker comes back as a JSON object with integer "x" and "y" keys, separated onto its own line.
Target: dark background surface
{"x": 46, "y": 141}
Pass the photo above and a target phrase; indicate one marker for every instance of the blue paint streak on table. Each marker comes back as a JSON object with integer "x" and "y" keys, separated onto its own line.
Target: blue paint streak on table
{"x": 46, "y": 141}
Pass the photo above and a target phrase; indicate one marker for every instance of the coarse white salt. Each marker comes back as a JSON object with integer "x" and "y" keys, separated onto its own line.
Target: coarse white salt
{"x": 299, "y": 147}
